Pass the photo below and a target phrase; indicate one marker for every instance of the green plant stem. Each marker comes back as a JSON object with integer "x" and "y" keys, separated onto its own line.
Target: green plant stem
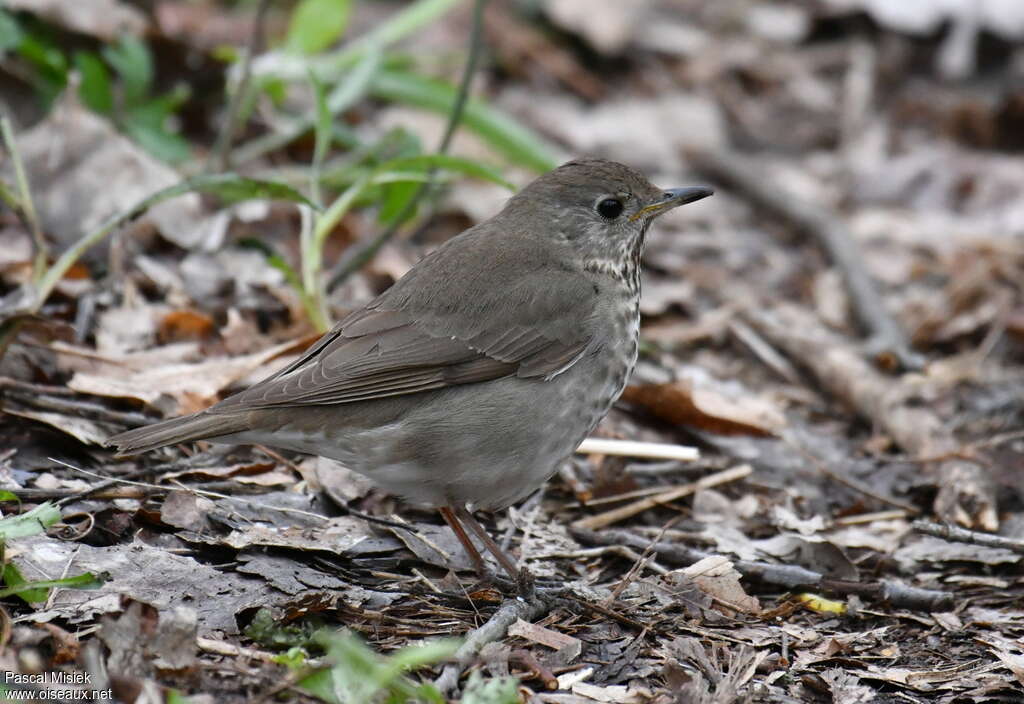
{"x": 25, "y": 202}
{"x": 398, "y": 26}
{"x": 221, "y": 154}
{"x": 358, "y": 257}
{"x": 225, "y": 185}
{"x": 312, "y": 244}
{"x": 362, "y": 53}
{"x": 82, "y": 581}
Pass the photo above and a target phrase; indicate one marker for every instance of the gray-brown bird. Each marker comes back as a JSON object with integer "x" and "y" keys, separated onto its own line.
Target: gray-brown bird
{"x": 465, "y": 384}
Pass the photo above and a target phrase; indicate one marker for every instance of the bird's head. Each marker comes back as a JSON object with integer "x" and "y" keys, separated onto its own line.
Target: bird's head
{"x": 600, "y": 208}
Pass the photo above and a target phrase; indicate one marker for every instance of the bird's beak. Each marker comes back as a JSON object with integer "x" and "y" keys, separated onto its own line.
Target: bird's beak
{"x": 670, "y": 199}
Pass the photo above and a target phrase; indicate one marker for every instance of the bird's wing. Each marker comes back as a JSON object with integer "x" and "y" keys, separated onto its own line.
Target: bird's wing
{"x": 404, "y": 343}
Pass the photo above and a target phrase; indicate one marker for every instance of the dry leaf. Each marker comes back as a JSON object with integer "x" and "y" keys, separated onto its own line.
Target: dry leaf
{"x": 545, "y": 636}
{"x": 683, "y": 404}
{"x": 72, "y": 149}
{"x": 183, "y": 509}
{"x": 181, "y": 325}
{"x": 104, "y": 19}
{"x": 190, "y": 387}
{"x": 716, "y": 577}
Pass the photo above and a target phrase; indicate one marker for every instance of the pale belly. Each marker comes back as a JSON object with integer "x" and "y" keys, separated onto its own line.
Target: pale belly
{"x": 487, "y": 445}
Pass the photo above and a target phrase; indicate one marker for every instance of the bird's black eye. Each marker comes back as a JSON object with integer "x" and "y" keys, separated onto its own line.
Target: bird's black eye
{"x": 610, "y": 208}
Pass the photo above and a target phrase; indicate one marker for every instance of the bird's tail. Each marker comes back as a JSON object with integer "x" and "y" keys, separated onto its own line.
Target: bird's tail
{"x": 198, "y": 426}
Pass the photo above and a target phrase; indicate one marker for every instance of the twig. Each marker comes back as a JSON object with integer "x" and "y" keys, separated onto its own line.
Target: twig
{"x": 764, "y": 351}
{"x": 617, "y": 550}
{"x": 633, "y": 448}
{"x": 200, "y": 492}
{"x": 220, "y": 647}
{"x": 606, "y": 612}
{"x": 361, "y": 253}
{"x": 27, "y": 208}
{"x": 847, "y": 481}
{"x": 860, "y": 518}
{"x": 623, "y": 512}
{"x": 887, "y": 338}
{"x": 496, "y": 627}
{"x": 966, "y": 492}
{"x": 22, "y": 394}
{"x": 221, "y": 153}
{"x": 788, "y": 576}
{"x": 962, "y": 535}
{"x": 536, "y": 669}
{"x": 64, "y": 496}
{"x": 64, "y": 573}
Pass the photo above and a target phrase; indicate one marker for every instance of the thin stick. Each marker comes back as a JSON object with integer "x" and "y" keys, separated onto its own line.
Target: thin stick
{"x": 623, "y": 512}
{"x": 635, "y": 448}
{"x": 832, "y": 235}
{"x": 950, "y": 532}
{"x": 27, "y": 206}
{"x": 784, "y": 575}
{"x": 496, "y": 627}
{"x": 221, "y": 153}
{"x": 967, "y": 494}
{"x": 200, "y": 492}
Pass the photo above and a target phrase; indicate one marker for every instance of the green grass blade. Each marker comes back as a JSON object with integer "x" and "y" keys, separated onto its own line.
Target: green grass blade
{"x": 458, "y": 164}
{"x": 29, "y": 523}
{"x": 517, "y": 143}
{"x": 322, "y": 136}
{"x": 316, "y": 24}
{"x": 81, "y": 581}
{"x": 230, "y": 187}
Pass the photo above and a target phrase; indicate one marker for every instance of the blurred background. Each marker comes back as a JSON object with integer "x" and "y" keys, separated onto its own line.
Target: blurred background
{"x": 194, "y": 189}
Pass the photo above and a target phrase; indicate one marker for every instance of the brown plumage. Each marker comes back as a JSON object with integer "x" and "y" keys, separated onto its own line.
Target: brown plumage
{"x": 483, "y": 367}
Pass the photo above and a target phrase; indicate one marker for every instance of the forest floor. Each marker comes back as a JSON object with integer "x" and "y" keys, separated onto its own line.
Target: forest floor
{"x": 838, "y": 332}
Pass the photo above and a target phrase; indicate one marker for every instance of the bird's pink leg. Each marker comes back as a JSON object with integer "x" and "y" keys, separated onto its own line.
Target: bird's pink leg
{"x": 503, "y": 559}
{"x": 478, "y": 562}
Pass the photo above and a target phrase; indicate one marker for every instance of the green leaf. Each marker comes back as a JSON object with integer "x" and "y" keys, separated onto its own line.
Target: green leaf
{"x": 82, "y": 581}
{"x": 165, "y": 146}
{"x": 355, "y": 83}
{"x": 94, "y": 89}
{"x": 449, "y": 163}
{"x": 10, "y": 32}
{"x": 399, "y": 25}
{"x": 507, "y": 136}
{"x": 148, "y": 122}
{"x": 134, "y": 64}
{"x": 147, "y": 125}
{"x": 358, "y": 674}
{"x": 8, "y": 496}
{"x": 394, "y": 199}
{"x": 13, "y": 578}
{"x": 503, "y": 690}
{"x": 294, "y": 658}
{"x": 266, "y": 631}
{"x": 412, "y": 657}
{"x": 234, "y": 188}
{"x": 51, "y": 66}
{"x": 316, "y": 24}
{"x": 29, "y": 523}
{"x": 275, "y": 260}
{"x": 320, "y": 684}
{"x": 411, "y": 18}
